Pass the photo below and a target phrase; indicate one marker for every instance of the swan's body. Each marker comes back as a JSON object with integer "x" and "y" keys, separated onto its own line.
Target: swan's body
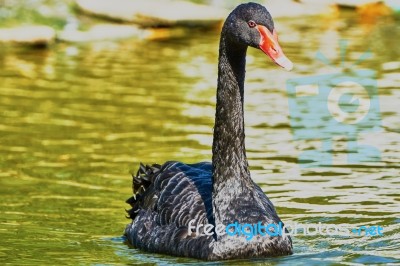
{"x": 168, "y": 197}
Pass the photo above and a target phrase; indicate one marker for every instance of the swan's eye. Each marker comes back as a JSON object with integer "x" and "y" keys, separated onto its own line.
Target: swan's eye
{"x": 252, "y": 24}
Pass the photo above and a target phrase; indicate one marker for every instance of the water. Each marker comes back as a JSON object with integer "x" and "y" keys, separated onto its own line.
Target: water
{"x": 76, "y": 119}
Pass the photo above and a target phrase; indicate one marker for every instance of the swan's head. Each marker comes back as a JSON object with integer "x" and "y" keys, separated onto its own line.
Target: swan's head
{"x": 251, "y": 25}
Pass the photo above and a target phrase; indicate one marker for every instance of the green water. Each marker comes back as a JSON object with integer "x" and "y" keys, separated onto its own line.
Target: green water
{"x": 76, "y": 119}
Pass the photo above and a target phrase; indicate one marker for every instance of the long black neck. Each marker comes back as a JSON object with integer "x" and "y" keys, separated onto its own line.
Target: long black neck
{"x": 230, "y": 167}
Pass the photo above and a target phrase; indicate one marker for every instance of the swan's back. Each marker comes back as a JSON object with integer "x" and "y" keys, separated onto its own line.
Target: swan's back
{"x": 167, "y": 198}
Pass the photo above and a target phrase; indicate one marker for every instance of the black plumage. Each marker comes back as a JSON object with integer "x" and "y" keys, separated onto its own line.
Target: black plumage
{"x": 166, "y": 198}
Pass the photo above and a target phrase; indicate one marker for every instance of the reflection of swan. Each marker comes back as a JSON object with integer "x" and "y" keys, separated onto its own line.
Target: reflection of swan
{"x": 168, "y": 197}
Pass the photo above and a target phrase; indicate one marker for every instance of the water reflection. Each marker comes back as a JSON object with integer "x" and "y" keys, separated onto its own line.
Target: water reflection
{"x": 76, "y": 119}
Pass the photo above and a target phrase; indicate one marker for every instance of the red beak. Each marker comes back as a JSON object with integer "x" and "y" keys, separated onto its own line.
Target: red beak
{"x": 270, "y": 46}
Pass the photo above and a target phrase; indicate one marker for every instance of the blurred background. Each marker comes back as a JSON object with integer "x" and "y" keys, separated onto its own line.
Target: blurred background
{"x": 89, "y": 88}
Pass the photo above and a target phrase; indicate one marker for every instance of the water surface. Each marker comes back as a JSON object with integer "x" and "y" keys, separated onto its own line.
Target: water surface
{"x": 75, "y": 120}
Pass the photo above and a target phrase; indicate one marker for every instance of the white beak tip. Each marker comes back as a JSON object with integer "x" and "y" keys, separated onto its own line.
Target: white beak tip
{"x": 284, "y": 62}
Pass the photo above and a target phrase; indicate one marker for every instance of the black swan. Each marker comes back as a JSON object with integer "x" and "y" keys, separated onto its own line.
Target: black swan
{"x": 171, "y": 200}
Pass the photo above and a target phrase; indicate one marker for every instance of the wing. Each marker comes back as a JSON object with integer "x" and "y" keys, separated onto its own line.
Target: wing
{"x": 166, "y": 198}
